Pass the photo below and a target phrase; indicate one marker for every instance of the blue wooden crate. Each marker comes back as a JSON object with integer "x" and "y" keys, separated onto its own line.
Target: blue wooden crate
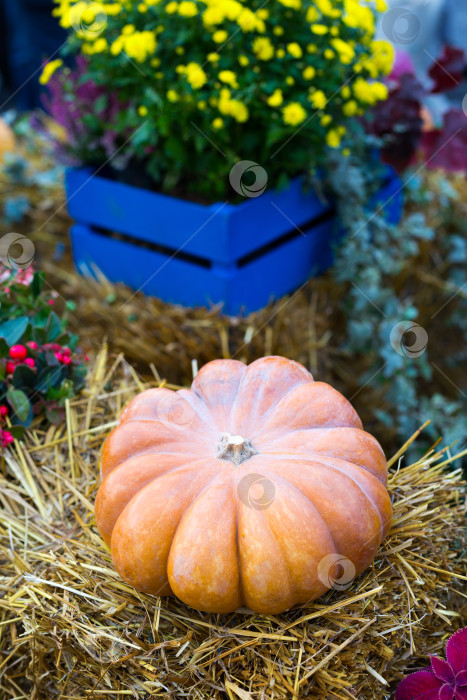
{"x": 186, "y": 253}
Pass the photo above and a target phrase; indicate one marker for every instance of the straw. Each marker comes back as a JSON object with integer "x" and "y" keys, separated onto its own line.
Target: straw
{"x": 71, "y": 628}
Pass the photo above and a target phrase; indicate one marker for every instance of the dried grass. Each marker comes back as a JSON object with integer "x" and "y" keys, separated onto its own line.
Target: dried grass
{"x": 71, "y": 628}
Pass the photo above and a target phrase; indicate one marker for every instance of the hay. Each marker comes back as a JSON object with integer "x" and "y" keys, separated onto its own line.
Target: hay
{"x": 71, "y": 628}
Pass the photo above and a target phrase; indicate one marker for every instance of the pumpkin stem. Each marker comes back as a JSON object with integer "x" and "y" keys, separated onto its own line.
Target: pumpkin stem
{"x": 235, "y": 448}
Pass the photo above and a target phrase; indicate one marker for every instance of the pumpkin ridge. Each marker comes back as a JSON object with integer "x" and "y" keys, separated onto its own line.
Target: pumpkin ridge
{"x": 304, "y": 495}
{"x": 306, "y": 458}
{"x": 200, "y": 392}
{"x": 278, "y": 408}
{"x": 172, "y": 470}
{"x": 293, "y": 586}
{"x": 306, "y": 450}
{"x": 240, "y": 577}
{"x": 202, "y": 411}
{"x": 317, "y": 510}
{"x": 215, "y": 477}
{"x": 265, "y": 524}
{"x": 360, "y": 487}
{"x": 247, "y": 376}
{"x": 197, "y": 489}
{"x": 275, "y": 408}
{"x": 158, "y": 452}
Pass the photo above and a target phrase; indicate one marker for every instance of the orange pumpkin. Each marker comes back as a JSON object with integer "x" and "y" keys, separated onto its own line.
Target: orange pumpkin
{"x": 7, "y": 139}
{"x": 249, "y": 489}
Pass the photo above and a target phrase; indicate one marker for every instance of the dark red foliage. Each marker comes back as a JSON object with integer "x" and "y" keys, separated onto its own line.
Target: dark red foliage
{"x": 443, "y": 680}
{"x": 447, "y": 72}
{"x": 447, "y": 147}
{"x": 398, "y": 122}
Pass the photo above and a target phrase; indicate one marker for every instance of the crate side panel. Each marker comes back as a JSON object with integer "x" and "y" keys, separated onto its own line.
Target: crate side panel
{"x": 175, "y": 281}
{"x": 175, "y": 223}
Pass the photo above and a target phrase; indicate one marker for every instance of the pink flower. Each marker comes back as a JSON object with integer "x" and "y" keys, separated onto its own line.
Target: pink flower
{"x": 25, "y": 276}
{"x": 443, "y": 680}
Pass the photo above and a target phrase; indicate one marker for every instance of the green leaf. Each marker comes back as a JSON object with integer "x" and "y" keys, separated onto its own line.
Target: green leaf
{"x": 50, "y": 377}
{"x": 13, "y": 330}
{"x": 24, "y": 376}
{"x": 4, "y": 348}
{"x": 19, "y": 403}
{"x": 37, "y": 284}
{"x": 53, "y": 328}
{"x": 17, "y": 431}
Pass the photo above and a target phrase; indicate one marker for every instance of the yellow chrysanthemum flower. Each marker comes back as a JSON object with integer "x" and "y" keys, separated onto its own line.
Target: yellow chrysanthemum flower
{"x": 317, "y": 99}
{"x": 276, "y": 99}
{"x": 293, "y": 114}
{"x": 228, "y": 77}
{"x": 319, "y": 29}
{"x": 49, "y": 69}
{"x": 333, "y": 138}
{"x": 309, "y": 73}
{"x": 344, "y": 49}
{"x": 295, "y": 49}
{"x": 350, "y": 108}
{"x": 140, "y": 45}
{"x": 263, "y": 48}
{"x": 220, "y": 36}
{"x": 187, "y": 8}
{"x": 195, "y": 75}
{"x": 293, "y": 4}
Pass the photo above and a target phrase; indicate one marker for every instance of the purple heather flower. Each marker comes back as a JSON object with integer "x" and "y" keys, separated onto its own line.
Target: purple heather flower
{"x": 443, "y": 680}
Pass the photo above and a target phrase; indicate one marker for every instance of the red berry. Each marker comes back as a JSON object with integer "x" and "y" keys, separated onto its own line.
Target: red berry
{"x": 18, "y": 352}
{"x": 30, "y": 362}
{"x": 66, "y": 350}
{"x": 7, "y": 438}
{"x": 59, "y": 356}
{"x": 66, "y": 359}
{"x": 10, "y": 367}
{"x": 3, "y": 411}
{"x": 32, "y": 344}
{"x": 51, "y": 302}
{"x": 86, "y": 358}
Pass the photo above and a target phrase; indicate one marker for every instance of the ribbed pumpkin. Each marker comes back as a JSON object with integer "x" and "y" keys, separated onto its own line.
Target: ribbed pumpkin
{"x": 7, "y": 139}
{"x": 245, "y": 490}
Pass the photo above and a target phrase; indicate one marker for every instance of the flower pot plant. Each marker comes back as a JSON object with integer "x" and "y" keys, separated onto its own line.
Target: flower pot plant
{"x": 193, "y": 125}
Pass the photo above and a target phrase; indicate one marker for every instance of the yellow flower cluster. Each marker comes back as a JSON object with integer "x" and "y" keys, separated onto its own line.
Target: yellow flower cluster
{"x": 49, "y": 69}
{"x": 287, "y": 51}
{"x": 231, "y": 107}
{"x": 136, "y": 45}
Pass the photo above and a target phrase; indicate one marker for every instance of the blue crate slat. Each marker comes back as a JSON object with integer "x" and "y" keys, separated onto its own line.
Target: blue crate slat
{"x": 279, "y": 258}
{"x": 220, "y": 232}
{"x": 181, "y": 282}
